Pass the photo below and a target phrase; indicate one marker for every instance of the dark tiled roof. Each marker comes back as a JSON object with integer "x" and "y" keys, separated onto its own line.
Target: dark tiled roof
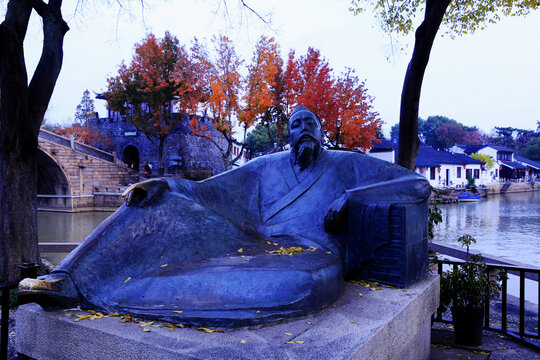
{"x": 469, "y": 149}
{"x": 428, "y": 157}
{"x": 501, "y": 148}
{"x": 385, "y": 144}
{"x": 524, "y": 160}
{"x": 514, "y": 165}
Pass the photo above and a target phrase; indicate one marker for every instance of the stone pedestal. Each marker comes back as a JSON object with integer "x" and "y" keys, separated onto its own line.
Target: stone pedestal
{"x": 380, "y": 324}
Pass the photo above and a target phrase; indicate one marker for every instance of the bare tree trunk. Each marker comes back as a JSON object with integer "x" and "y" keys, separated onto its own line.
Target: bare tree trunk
{"x": 412, "y": 86}
{"x": 22, "y": 108}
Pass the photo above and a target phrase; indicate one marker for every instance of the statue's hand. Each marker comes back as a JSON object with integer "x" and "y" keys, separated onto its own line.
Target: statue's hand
{"x": 144, "y": 193}
{"x": 336, "y": 217}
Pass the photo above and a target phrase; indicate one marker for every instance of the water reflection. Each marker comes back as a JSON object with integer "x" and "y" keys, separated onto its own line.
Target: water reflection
{"x": 67, "y": 227}
{"x": 504, "y": 225}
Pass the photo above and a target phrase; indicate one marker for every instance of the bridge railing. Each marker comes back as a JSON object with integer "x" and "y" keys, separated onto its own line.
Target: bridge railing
{"x": 75, "y": 145}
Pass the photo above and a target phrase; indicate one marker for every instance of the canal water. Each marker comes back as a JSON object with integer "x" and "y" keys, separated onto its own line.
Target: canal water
{"x": 67, "y": 227}
{"x": 505, "y": 225}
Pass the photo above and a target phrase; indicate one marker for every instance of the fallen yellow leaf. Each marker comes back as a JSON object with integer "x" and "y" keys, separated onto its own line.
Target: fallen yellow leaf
{"x": 360, "y": 294}
{"x": 309, "y": 323}
{"x": 164, "y": 265}
{"x": 290, "y": 342}
{"x": 243, "y": 341}
{"x": 288, "y": 334}
{"x": 299, "y": 342}
{"x": 206, "y": 330}
{"x": 82, "y": 317}
{"x": 257, "y": 312}
{"x": 146, "y": 329}
{"x": 178, "y": 311}
{"x": 129, "y": 278}
{"x": 240, "y": 250}
{"x": 68, "y": 314}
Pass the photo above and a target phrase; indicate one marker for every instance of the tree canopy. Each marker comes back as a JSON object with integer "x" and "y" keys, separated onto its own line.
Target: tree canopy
{"x": 458, "y": 17}
{"x": 85, "y": 110}
{"x": 159, "y": 77}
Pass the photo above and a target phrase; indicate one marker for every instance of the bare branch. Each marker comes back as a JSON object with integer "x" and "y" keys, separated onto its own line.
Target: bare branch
{"x": 255, "y": 12}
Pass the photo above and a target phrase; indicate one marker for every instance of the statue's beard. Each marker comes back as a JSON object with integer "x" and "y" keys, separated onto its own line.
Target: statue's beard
{"x": 306, "y": 152}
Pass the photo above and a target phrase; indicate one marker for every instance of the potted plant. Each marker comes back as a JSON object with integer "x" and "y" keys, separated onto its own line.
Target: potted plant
{"x": 467, "y": 289}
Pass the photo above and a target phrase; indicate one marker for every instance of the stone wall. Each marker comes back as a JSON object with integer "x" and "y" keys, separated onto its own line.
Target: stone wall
{"x": 197, "y": 153}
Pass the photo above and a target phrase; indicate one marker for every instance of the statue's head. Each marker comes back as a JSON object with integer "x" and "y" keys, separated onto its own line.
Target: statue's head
{"x": 306, "y": 136}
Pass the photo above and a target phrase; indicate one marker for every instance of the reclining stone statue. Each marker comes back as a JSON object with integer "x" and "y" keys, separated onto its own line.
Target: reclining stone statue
{"x": 269, "y": 240}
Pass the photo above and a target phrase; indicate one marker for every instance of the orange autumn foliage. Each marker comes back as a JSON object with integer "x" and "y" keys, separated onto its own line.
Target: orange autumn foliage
{"x": 85, "y": 135}
{"x": 342, "y": 104}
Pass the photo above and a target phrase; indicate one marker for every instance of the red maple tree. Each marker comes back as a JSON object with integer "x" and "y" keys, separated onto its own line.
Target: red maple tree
{"x": 156, "y": 90}
{"x": 224, "y": 85}
{"x": 342, "y": 104}
{"x": 353, "y": 123}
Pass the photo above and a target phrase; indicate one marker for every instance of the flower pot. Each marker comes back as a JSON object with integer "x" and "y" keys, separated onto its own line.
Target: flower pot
{"x": 468, "y": 326}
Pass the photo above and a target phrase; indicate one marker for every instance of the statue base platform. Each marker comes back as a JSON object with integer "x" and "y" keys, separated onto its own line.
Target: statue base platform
{"x": 379, "y": 324}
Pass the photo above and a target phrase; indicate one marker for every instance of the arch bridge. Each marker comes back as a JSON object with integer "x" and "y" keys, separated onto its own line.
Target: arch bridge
{"x": 73, "y": 176}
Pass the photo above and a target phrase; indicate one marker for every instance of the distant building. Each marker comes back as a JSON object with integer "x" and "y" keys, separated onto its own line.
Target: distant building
{"x": 246, "y": 155}
{"x": 384, "y": 150}
{"x": 510, "y": 166}
{"x": 444, "y": 169}
{"x": 182, "y": 150}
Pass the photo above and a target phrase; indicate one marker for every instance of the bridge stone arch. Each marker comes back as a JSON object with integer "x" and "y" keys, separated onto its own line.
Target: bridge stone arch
{"x": 76, "y": 177}
{"x": 54, "y": 185}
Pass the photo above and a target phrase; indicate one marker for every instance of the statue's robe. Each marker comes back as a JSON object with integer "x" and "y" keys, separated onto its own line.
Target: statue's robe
{"x": 205, "y": 252}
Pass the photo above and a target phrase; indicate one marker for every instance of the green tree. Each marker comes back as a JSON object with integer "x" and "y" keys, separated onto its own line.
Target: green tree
{"x": 459, "y": 17}
{"x": 85, "y": 110}
{"x": 532, "y": 150}
{"x": 264, "y": 138}
{"x": 488, "y": 160}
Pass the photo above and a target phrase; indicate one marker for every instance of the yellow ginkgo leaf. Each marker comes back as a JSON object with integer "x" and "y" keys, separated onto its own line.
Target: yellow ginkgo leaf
{"x": 243, "y": 341}
{"x": 146, "y": 329}
{"x": 299, "y": 342}
{"x": 309, "y": 323}
{"x": 240, "y": 250}
{"x": 288, "y": 334}
{"x": 178, "y": 311}
{"x": 290, "y": 342}
{"x": 164, "y": 265}
{"x": 82, "y": 317}
{"x": 129, "y": 278}
{"x": 206, "y": 330}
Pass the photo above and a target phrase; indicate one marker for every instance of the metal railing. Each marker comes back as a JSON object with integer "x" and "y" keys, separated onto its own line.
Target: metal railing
{"x": 520, "y": 333}
{"x": 27, "y": 270}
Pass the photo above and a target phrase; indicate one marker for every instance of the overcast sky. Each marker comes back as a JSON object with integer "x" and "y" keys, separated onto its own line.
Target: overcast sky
{"x": 488, "y": 79}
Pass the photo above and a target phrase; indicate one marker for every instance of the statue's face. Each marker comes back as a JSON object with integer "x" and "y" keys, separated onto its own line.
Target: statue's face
{"x": 304, "y": 127}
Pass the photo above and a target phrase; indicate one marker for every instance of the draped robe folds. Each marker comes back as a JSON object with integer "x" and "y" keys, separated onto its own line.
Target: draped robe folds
{"x": 203, "y": 252}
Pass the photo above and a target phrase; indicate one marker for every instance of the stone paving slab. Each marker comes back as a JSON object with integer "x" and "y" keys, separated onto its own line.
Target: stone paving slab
{"x": 381, "y": 324}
